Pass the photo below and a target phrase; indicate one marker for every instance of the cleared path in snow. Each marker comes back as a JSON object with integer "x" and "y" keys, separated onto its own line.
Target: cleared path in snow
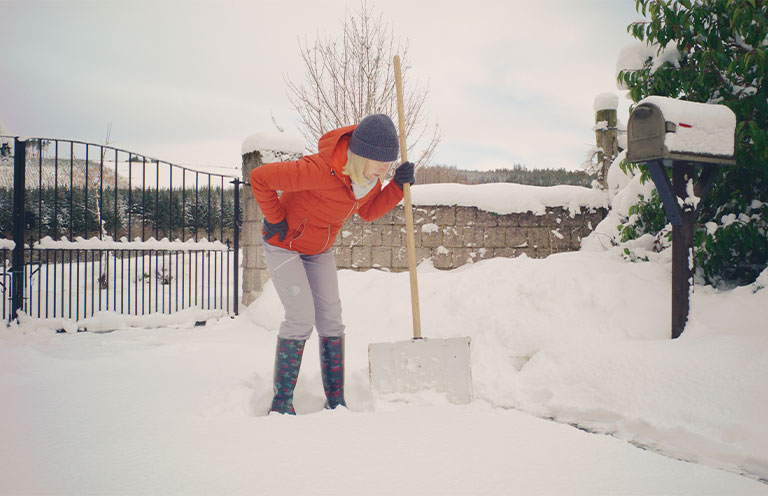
{"x": 173, "y": 411}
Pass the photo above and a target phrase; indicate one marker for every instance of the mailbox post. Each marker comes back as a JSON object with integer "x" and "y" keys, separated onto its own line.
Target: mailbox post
{"x": 684, "y": 136}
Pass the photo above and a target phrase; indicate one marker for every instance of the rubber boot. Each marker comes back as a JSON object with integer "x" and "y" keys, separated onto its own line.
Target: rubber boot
{"x": 332, "y": 367}
{"x": 287, "y": 363}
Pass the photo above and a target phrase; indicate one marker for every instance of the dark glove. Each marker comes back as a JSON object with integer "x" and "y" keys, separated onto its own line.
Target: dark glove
{"x": 270, "y": 229}
{"x": 404, "y": 174}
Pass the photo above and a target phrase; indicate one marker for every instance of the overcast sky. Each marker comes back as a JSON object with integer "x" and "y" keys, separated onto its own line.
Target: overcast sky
{"x": 510, "y": 81}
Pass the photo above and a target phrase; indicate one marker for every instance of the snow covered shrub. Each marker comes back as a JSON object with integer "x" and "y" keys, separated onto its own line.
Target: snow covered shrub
{"x": 644, "y": 213}
{"x": 713, "y": 51}
{"x": 647, "y": 216}
{"x": 742, "y": 237}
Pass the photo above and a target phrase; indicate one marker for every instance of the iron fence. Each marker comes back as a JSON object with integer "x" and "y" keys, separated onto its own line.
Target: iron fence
{"x": 86, "y": 228}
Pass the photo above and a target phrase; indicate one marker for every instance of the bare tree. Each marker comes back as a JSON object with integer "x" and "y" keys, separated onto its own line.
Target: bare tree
{"x": 103, "y": 277}
{"x": 347, "y": 79}
{"x": 5, "y": 143}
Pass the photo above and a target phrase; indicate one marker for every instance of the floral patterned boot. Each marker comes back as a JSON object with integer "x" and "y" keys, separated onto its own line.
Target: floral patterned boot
{"x": 332, "y": 367}
{"x": 287, "y": 363}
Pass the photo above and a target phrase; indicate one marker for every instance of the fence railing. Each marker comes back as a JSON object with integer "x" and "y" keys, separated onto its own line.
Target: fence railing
{"x": 96, "y": 228}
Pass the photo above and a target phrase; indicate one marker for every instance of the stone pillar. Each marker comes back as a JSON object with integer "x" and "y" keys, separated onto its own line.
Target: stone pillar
{"x": 256, "y": 152}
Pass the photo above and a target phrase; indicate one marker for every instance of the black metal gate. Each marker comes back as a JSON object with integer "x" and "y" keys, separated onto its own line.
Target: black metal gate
{"x": 88, "y": 228}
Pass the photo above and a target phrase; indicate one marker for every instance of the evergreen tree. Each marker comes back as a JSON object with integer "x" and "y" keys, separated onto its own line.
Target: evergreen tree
{"x": 723, "y": 58}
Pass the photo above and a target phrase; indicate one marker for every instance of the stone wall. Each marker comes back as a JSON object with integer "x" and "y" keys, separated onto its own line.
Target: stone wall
{"x": 454, "y": 235}
{"x": 450, "y": 235}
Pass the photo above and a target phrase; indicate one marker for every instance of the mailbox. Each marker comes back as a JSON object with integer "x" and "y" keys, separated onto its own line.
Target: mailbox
{"x": 669, "y": 130}
{"x": 681, "y": 136}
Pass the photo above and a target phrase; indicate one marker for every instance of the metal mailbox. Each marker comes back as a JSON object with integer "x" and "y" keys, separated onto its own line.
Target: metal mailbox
{"x": 665, "y": 134}
{"x": 671, "y": 130}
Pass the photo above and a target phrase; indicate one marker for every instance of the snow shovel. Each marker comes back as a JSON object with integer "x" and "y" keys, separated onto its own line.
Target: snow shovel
{"x": 421, "y": 364}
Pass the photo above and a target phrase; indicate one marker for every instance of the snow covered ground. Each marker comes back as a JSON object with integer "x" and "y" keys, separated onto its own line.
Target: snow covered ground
{"x": 578, "y": 338}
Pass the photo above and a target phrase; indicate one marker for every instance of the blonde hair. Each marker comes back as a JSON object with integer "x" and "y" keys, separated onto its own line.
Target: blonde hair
{"x": 354, "y": 168}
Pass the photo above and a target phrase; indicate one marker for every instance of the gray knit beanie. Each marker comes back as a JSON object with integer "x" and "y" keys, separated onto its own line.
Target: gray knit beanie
{"x": 375, "y": 138}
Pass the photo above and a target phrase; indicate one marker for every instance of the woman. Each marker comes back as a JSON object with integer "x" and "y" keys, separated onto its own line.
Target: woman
{"x": 319, "y": 193}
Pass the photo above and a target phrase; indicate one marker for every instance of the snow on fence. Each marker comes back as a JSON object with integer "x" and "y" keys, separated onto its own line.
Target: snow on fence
{"x": 455, "y": 224}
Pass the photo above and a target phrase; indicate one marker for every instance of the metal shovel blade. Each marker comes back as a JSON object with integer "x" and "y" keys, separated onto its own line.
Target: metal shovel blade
{"x": 440, "y": 365}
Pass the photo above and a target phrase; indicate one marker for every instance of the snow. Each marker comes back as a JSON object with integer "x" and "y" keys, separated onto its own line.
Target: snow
{"x": 616, "y": 178}
{"x": 581, "y": 338}
{"x": 701, "y": 128}
{"x": 274, "y": 142}
{"x": 691, "y": 200}
{"x": 728, "y": 219}
{"x": 506, "y": 198}
{"x": 109, "y": 321}
{"x": 668, "y": 55}
{"x": 107, "y": 243}
{"x": 430, "y": 228}
{"x": 578, "y": 388}
{"x": 606, "y": 101}
{"x": 623, "y": 192}
{"x": 622, "y": 133}
{"x": 600, "y": 126}
{"x": 633, "y": 57}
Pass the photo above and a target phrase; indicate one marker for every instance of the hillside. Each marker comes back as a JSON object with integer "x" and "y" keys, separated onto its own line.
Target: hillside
{"x": 50, "y": 169}
{"x": 519, "y": 175}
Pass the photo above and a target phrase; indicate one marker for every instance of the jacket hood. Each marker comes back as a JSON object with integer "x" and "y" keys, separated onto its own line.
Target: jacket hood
{"x": 332, "y": 147}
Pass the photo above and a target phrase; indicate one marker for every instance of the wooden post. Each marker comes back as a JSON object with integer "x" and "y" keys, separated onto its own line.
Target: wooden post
{"x": 682, "y": 250}
{"x": 606, "y": 138}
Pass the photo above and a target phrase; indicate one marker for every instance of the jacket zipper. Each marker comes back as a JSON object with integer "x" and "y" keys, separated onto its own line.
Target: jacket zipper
{"x": 351, "y": 211}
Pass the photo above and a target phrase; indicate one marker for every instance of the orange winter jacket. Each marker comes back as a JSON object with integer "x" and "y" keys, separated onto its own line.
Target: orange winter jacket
{"x": 316, "y": 196}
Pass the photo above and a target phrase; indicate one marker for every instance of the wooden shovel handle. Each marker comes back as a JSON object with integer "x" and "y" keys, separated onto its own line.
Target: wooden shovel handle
{"x": 410, "y": 241}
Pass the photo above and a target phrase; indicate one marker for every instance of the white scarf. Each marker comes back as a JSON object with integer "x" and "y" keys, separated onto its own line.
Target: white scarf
{"x": 360, "y": 190}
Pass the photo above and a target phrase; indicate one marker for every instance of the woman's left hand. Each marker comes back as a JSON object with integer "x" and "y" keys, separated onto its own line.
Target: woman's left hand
{"x": 404, "y": 174}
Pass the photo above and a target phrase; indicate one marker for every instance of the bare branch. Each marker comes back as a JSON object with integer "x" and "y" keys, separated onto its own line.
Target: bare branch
{"x": 348, "y": 78}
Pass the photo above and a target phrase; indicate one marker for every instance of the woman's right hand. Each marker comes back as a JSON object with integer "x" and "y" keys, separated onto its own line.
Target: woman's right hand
{"x": 269, "y": 229}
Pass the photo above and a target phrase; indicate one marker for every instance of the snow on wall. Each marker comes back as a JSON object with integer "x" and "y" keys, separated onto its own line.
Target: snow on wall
{"x": 508, "y": 198}
{"x": 275, "y": 142}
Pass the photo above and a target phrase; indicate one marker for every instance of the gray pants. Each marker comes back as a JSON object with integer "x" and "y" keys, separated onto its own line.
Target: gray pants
{"x": 308, "y": 287}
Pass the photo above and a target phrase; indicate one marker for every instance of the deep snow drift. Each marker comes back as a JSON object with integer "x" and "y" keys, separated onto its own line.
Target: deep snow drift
{"x": 578, "y": 337}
